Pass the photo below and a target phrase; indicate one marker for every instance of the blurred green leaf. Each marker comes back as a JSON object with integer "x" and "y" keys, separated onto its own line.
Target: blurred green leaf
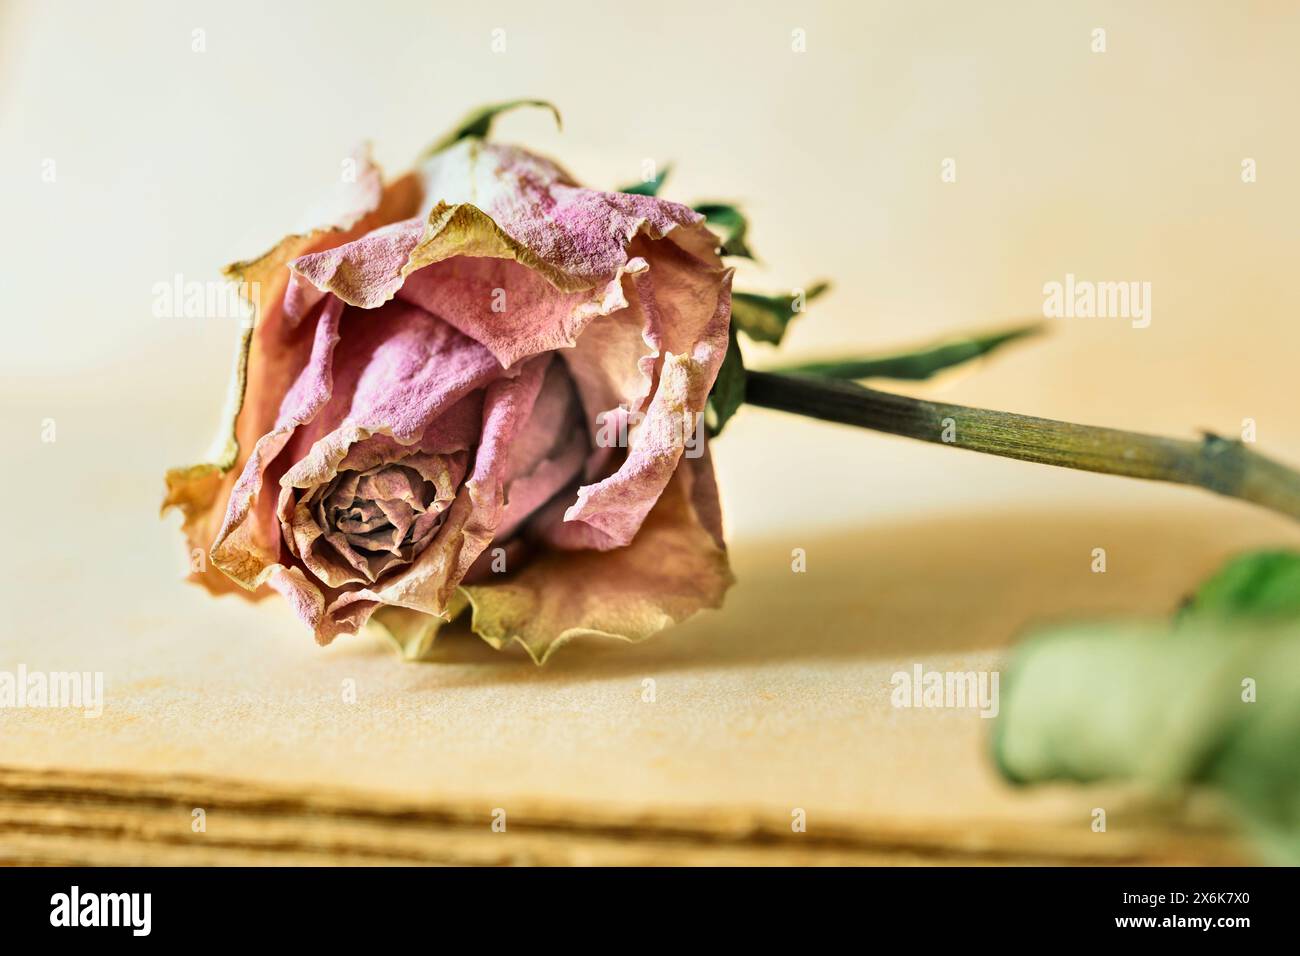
{"x": 649, "y": 187}
{"x": 1212, "y": 700}
{"x": 1262, "y": 584}
{"x": 728, "y": 392}
{"x": 479, "y": 122}
{"x": 919, "y": 364}
{"x": 731, "y": 222}
{"x": 764, "y": 318}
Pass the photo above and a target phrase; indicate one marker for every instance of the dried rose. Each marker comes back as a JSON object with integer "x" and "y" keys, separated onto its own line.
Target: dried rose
{"x": 421, "y": 420}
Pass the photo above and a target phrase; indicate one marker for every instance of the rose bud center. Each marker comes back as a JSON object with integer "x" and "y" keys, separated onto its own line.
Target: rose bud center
{"x": 379, "y": 518}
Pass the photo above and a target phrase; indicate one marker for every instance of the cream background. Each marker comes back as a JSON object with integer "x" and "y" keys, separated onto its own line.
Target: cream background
{"x": 1114, "y": 166}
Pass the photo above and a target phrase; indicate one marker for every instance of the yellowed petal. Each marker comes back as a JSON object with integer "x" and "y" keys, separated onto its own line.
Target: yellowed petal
{"x": 260, "y": 374}
{"x": 411, "y": 632}
{"x": 673, "y": 568}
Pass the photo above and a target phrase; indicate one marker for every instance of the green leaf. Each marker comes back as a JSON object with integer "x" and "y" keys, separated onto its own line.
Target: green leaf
{"x": 764, "y": 318}
{"x": 733, "y": 225}
{"x": 649, "y": 187}
{"x": 1211, "y": 700}
{"x": 1262, "y": 584}
{"x": 479, "y": 122}
{"x": 1167, "y": 709}
{"x": 728, "y": 392}
{"x": 918, "y": 364}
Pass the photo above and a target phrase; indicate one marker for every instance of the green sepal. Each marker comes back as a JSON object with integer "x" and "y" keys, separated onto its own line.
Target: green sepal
{"x": 764, "y": 318}
{"x": 478, "y": 123}
{"x": 649, "y": 187}
{"x": 733, "y": 225}
{"x": 916, "y": 364}
{"x": 728, "y": 392}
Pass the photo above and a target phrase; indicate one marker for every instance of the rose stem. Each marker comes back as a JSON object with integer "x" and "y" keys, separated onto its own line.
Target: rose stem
{"x": 1215, "y": 464}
